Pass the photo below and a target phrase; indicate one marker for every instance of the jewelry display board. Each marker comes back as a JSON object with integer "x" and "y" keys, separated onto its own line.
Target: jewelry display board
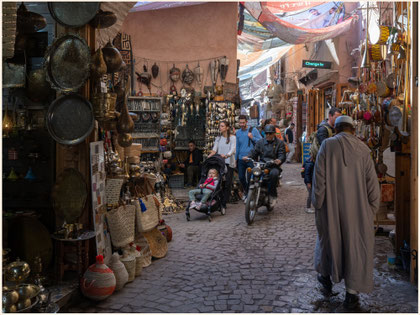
{"x": 147, "y": 129}
{"x": 98, "y": 176}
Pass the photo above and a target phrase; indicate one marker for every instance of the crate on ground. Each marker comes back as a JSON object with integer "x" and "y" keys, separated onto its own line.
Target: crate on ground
{"x": 176, "y": 181}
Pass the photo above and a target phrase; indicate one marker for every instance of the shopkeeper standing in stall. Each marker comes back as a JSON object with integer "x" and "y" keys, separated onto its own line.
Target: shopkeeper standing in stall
{"x": 191, "y": 165}
{"x": 225, "y": 146}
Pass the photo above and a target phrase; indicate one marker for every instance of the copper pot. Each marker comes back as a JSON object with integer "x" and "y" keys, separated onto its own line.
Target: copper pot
{"x": 112, "y": 57}
{"x": 29, "y": 22}
{"x": 10, "y": 297}
{"x": 98, "y": 66}
{"x": 125, "y": 140}
{"x": 38, "y": 88}
{"x": 125, "y": 123}
{"x": 103, "y": 19}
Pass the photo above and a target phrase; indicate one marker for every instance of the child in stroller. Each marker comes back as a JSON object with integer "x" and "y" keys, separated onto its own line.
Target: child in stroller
{"x": 214, "y": 200}
{"x": 205, "y": 189}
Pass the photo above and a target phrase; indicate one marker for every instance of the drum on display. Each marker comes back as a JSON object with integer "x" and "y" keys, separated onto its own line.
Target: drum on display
{"x": 379, "y": 34}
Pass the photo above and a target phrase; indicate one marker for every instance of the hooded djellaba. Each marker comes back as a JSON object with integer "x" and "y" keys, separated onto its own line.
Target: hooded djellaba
{"x": 346, "y": 196}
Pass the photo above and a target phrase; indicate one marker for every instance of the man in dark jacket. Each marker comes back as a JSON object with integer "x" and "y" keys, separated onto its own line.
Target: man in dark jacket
{"x": 270, "y": 149}
{"x": 192, "y": 163}
{"x": 326, "y": 127}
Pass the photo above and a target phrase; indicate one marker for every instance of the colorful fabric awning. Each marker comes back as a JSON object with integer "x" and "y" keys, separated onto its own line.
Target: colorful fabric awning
{"x": 301, "y": 22}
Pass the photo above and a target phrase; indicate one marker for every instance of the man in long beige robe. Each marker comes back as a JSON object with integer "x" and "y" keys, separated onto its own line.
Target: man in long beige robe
{"x": 346, "y": 195}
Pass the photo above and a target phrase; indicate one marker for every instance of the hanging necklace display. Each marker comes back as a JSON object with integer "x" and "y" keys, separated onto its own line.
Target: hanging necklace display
{"x": 187, "y": 76}
{"x": 224, "y": 66}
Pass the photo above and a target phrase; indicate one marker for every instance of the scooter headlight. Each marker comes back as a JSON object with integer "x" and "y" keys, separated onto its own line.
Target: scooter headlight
{"x": 256, "y": 171}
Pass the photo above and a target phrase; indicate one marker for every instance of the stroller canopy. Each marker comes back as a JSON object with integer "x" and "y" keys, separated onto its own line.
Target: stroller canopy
{"x": 215, "y": 161}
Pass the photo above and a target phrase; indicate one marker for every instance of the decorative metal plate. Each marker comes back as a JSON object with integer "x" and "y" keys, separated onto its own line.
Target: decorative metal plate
{"x": 70, "y": 119}
{"x": 73, "y": 14}
{"x": 69, "y": 195}
{"x": 67, "y": 63}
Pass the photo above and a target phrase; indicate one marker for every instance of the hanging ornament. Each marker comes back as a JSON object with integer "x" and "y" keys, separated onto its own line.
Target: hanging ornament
{"x": 214, "y": 71}
{"x": 187, "y": 76}
{"x": 174, "y": 74}
{"x": 7, "y": 123}
{"x": 224, "y": 66}
{"x": 155, "y": 70}
{"x": 198, "y": 71}
{"x": 145, "y": 78}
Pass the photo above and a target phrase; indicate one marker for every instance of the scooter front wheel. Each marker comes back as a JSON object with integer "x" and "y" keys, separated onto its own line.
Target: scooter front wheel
{"x": 250, "y": 207}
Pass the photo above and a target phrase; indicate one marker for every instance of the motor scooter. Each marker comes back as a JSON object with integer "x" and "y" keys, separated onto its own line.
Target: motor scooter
{"x": 258, "y": 189}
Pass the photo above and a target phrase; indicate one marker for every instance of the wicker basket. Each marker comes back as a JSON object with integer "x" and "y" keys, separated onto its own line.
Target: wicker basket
{"x": 145, "y": 253}
{"x": 129, "y": 262}
{"x": 149, "y": 219}
{"x": 121, "y": 224}
{"x": 120, "y": 272}
{"x": 139, "y": 264}
{"x": 157, "y": 242}
{"x": 133, "y": 150}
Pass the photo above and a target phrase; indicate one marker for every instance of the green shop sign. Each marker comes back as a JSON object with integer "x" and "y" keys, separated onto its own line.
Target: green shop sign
{"x": 316, "y": 64}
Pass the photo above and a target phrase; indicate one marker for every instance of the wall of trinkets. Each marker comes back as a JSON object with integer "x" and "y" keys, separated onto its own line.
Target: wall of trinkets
{"x": 44, "y": 134}
{"x": 381, "y": 107}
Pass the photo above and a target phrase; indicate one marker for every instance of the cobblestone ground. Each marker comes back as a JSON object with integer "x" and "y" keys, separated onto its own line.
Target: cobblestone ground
{"x": 227, "y": 266}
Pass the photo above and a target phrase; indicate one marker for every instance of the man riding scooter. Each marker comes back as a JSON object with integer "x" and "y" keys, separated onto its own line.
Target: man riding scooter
{"x": 270, "y": 149}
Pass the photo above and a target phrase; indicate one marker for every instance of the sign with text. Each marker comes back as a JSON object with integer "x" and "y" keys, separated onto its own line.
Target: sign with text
{"x": 316, "y": 64}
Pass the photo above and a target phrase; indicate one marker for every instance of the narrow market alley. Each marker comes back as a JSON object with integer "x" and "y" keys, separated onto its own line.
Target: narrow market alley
{"x": 228, "y": 266}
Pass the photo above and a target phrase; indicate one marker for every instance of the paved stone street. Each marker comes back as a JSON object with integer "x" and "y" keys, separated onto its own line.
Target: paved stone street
{"x": 227, "y": 266}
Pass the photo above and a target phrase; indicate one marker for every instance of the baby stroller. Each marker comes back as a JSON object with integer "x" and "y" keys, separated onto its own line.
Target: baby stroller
{"x": 214, "y": 203}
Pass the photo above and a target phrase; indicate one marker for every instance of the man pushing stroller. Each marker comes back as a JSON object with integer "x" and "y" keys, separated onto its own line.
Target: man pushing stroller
{"x": 205, "y": 189}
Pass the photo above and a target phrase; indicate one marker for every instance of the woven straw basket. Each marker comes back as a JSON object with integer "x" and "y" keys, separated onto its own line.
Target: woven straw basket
{"x": 149, "y": 219}
{"x": 121, "y": 223}
{"x": 157, "y": 242}
{"x": 145, "y": 253}
{"x": 129, "y": 262}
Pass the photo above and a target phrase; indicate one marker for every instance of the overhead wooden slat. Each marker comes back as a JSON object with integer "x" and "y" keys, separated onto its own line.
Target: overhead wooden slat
{"x": 121, "y": 10}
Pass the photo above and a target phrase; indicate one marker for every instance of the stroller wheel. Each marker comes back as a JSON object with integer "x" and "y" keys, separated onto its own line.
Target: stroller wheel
{"x": 222, "y": 211}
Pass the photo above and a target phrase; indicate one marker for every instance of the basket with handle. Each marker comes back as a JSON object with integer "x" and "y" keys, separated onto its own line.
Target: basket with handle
{"x": 121, "y": 224}
{"x": 146, "y": 213}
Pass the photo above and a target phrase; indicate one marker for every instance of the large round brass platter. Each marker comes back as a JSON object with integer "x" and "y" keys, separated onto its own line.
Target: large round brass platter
{"x": 70, "y": 119}
{"x": 69, "y": 195}
{"x": 73, "y": 14}
{"x": 67, "y": 63}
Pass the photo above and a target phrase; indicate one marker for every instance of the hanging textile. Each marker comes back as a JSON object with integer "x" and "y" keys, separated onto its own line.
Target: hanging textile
{"x": 301, "y": 22}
